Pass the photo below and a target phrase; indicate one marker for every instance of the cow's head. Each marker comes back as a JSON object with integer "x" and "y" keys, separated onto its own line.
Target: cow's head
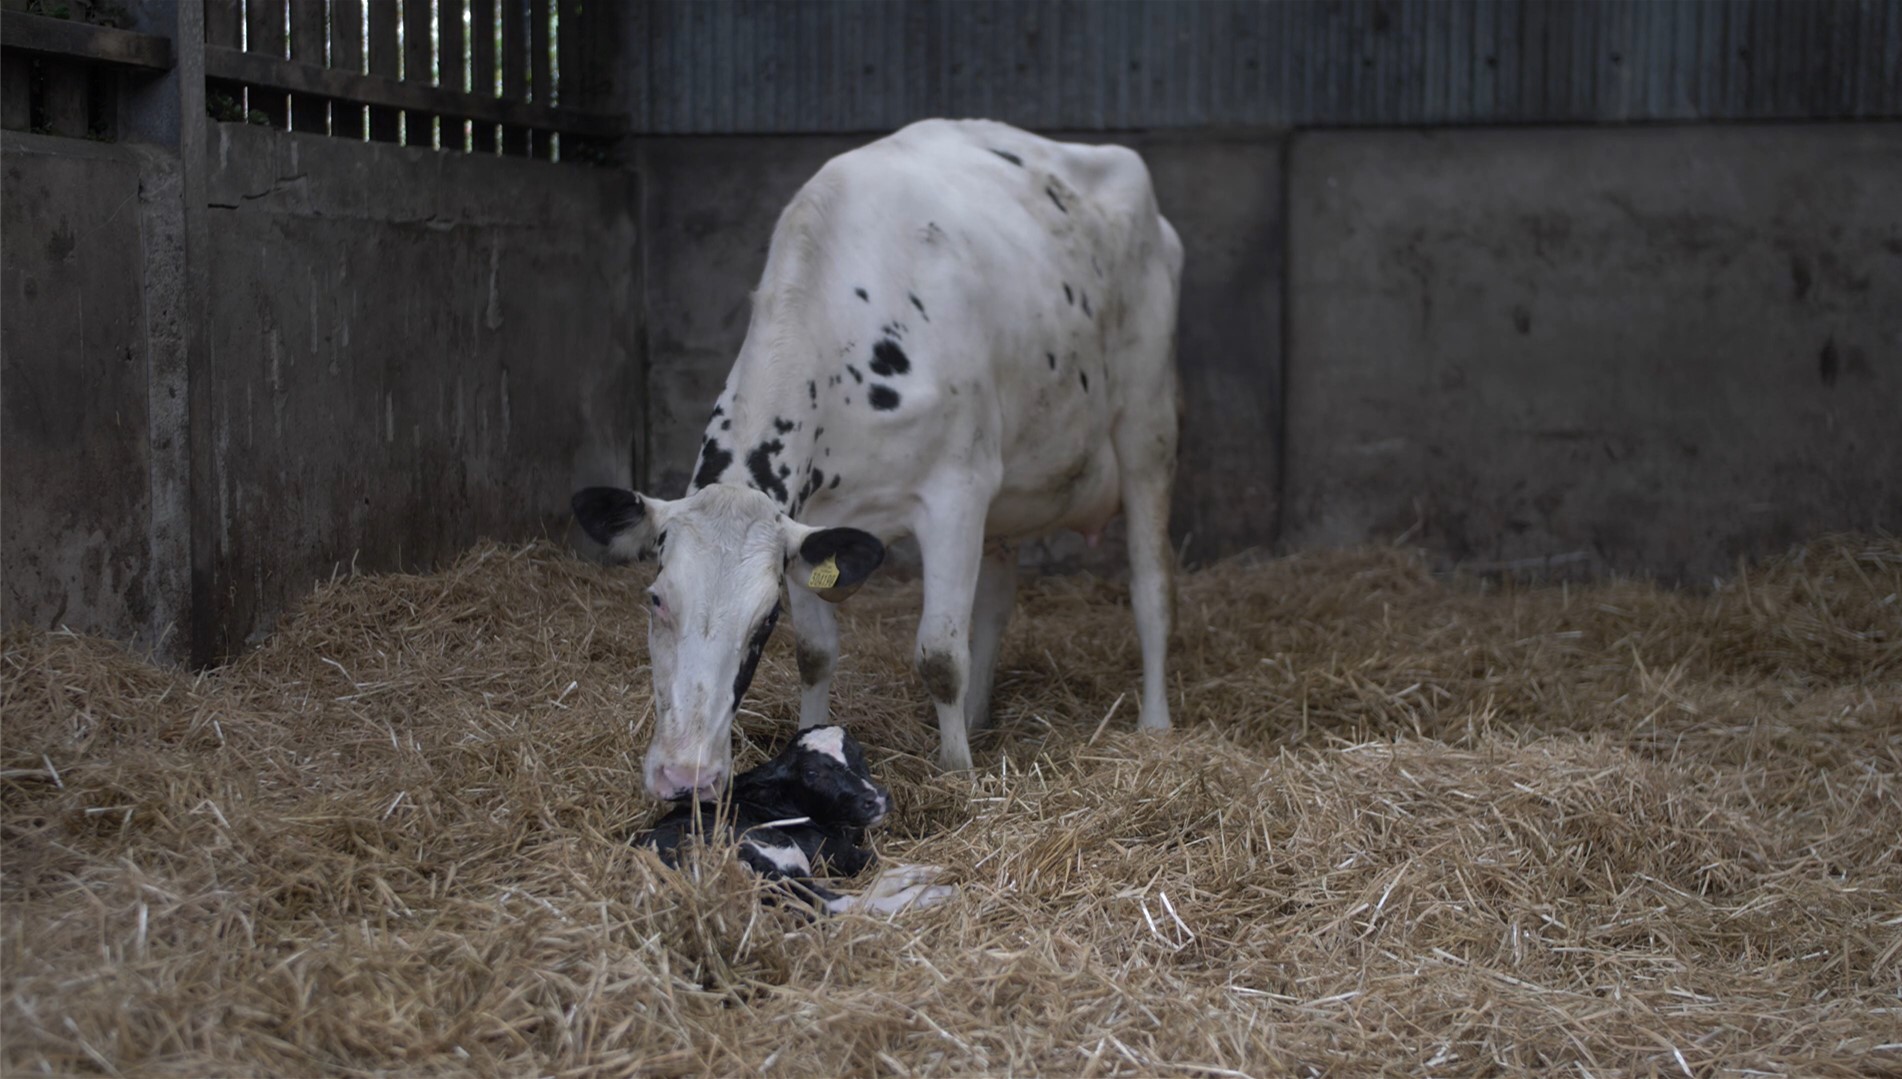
{"x": 824, "y": 775}
{"x": 723, "y": 552}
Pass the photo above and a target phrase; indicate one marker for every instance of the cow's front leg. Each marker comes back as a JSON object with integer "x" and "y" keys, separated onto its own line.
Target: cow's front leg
{"x": 816, "y": 628}
{"x": 952, "y": 543}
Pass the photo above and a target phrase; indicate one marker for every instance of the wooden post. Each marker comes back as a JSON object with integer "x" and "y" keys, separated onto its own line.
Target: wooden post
{"x": 542, "y": 85}
{"x": 482, "y": 68}
{"x": 514, "y": 68}
{"x": 419, "y": 53}
{"x": 385, "y": 125}
{"x": 346, "y": 54}
{"x": 264, "y": 35}
{"x": 449, "y": 71}
{"x": 307, "y": 46}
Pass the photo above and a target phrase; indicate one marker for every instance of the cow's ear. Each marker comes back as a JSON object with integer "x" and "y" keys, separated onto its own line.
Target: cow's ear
{"x": 832, "y": 562}
{"x": 622, "y": 521}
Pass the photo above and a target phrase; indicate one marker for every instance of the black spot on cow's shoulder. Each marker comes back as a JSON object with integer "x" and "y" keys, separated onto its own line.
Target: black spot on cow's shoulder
{"x": 781, "y": 424}
{"x": 884, "y": 398}
{"x": 713, "y": 462}
{"x": 717, "y": 412}
{"x": 919, "y": 304}
{"x": 1068, "y": 296}
{"x": 894, "y": 329}
{"x": 760, "y": 463}
{"x": 818, "y": 433}
{"x": 1010, "y": 157}
{"x": 862, "y": 295}
{"x": 1083, "y": 378}
{"x": 1052, "y": 357}
{"x": 854, "y": 372}
{"x": 812, "y": 392}
{"x": 834, "y": 484}
{"x": 813, "y": 483}
{"x": 726, "y": 425}
{"x": 1086, "y": 302}
{"x": 888, "y": 359}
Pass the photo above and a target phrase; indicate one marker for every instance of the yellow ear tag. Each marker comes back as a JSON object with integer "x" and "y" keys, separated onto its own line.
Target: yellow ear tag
{"x": 825, "y": 574}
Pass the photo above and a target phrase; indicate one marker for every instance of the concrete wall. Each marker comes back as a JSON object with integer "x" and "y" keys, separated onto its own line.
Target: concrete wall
{"x": 409, "y": 350}
{"x": 91, "y": 533}
{"x": 403, "y": 352}
{"x": 708, "y": 214}
{"x": 1645, "y": 349}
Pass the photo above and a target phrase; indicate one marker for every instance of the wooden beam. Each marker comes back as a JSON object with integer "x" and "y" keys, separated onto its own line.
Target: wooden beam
{"x": 83, "y": 41}
{"x": 377, "y": 92}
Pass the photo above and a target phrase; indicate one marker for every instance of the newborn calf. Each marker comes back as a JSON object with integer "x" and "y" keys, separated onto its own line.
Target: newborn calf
{"x": 801, "y": 814}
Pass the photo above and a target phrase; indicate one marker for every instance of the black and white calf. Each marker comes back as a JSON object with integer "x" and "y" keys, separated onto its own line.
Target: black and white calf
{"x": 964, "y": 333}
{"x": 801, "y": 815}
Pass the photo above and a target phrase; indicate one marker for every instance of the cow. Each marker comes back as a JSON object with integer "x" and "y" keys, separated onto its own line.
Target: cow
{"x": 801, "y": 815}
{"x": 964, "y": 333}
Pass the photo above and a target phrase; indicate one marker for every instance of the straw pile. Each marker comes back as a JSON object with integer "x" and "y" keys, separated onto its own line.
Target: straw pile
{"x": 1407, "y": 825}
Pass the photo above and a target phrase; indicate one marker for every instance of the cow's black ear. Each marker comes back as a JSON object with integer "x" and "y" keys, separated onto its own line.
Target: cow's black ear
{"x": 615, "y": 519}
{"x": 834, "y": 562}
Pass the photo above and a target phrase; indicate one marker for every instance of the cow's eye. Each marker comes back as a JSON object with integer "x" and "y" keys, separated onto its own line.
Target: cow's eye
{"x": 653, "y": 599}
{"x": 812, "y": 775}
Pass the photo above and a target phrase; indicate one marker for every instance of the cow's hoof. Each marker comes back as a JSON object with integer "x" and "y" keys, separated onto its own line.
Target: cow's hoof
{"x": 899, "y": 877}
{"x": 954, "y": 762}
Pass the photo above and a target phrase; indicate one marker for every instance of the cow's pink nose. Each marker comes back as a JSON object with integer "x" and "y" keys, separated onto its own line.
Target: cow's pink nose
{"x": 678, "y": 781}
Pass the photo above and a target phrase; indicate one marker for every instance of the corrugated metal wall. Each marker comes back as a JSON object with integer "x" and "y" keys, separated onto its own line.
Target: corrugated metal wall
{"x": 787, "y": 66}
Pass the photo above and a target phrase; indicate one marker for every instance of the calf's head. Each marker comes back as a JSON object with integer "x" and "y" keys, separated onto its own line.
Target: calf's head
{"x": 724, "y": 552}
{"x": 824, "y": 773}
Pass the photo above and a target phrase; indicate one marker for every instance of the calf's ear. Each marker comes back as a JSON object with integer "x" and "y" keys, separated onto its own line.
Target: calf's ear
{"x": 831, "y": 562}
{"x": 622, "y": 521}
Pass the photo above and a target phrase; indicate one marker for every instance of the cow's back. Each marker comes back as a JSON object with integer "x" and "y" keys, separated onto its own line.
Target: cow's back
{"x": 963, "y": 295}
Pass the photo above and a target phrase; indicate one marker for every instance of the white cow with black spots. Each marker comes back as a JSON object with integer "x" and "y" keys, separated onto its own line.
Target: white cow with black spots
{"x": 964, "y": 333}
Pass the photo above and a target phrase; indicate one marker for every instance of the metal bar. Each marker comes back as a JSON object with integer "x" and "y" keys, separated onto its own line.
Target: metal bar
{"x": 387, "y": 94}
{"x": 419, "y": 54}
{"x": 307, "y": 46}
{"x": 385, "y": 62}
{"x": 48, "y": 36}
{"x": 482, "y": 68}
{"x": 346, "y": 54}
{"x": 264, "y": 31}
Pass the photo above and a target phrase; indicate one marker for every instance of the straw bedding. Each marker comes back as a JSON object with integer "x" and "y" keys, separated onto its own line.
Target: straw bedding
{"x": 1406, "y": 825}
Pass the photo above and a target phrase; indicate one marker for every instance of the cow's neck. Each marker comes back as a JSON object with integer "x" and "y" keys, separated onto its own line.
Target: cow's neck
{"x": 758, "y": 444}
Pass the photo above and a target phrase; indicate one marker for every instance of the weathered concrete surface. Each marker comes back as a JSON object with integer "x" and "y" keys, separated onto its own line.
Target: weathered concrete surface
{"x": 1650, "y": 349}
{"x": 92, "y": 529}
{"x": 710, "y": 206}
{"x": 409, "y": 351}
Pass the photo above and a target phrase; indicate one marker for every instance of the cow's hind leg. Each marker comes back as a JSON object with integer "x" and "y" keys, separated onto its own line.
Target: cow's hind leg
{"x": 951, "y": 539}
{"x": 817, "y": 650}
{"x": 990, "y": 613}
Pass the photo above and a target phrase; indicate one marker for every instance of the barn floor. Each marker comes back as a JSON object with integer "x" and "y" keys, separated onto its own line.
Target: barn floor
{"x": 1406, "y": 826}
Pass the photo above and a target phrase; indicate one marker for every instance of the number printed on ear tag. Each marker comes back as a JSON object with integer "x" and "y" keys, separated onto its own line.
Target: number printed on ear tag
{"x": 825, "y": 574}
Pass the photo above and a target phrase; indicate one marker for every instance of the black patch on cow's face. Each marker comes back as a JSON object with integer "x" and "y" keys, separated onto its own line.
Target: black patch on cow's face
{"x": 854, "y": 372}
{"x": 1052, "y": 357}
{"x": 605, "y": 512}
{"x": 1086, "y": 302}
{"x": 1068, "y": 296}
{"x": 750, "y": 661}
{"x": 1055, "y": 201}
{"x": 713, "y": 462}
{"x": 1012, "y": 158}
{"x": 717, "y": 412}
{"x": 884, "y": 398}
{"x": 760, "y": 464}
{"x": 781, "y": 424}
{"x": 919, "y": 304}
{"x": 862, "y": 295}
{"x": 824, "y": 789}
{"x": 888, "y": 359}
{"x": 1083, "y": 378}
{"x": 660, "y": 542}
